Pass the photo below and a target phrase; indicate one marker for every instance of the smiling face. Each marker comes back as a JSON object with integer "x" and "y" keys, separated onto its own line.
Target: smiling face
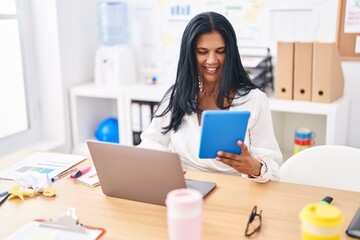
{"x": 210, "y": 56}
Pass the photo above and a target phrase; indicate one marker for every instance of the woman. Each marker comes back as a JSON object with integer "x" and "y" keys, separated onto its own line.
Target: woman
{"x": 210, "y": 75}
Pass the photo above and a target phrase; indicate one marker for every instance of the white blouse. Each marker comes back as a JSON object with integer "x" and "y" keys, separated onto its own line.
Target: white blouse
{"x": 260, "y": 138}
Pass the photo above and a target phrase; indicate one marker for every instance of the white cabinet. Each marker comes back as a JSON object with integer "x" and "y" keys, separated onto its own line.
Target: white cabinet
{"x": 91, "y": 104}
{"x": 329, "y": 121}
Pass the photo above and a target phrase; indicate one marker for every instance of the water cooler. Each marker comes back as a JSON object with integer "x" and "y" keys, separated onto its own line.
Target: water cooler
{"x": 114, "y": 59}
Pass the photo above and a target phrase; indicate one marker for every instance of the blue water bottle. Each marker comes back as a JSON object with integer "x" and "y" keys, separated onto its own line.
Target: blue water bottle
{"x": 112, "y": 23}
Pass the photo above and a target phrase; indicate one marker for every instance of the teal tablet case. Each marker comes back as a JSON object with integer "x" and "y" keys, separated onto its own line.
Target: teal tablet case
{"x": 220, "y": 130}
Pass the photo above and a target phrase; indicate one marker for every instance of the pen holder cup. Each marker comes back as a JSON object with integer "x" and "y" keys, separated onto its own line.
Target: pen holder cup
{"x": 184, "y": 214}
{"x": 321, "y": 221}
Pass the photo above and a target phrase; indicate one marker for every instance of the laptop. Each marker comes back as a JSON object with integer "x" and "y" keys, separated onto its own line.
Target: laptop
{"x": 140, "y": 174}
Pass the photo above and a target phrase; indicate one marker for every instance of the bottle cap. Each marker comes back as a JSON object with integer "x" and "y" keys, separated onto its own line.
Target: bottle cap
{"x": 322, "y": 215}
{"x": 184, "y": 198}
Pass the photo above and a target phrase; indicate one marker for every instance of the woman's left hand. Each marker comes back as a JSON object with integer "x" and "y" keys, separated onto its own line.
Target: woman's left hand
{"x": 243, "y": 162}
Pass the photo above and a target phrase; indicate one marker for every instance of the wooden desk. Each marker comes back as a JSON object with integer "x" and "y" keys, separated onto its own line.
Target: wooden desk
{"x": 226, "y": 209}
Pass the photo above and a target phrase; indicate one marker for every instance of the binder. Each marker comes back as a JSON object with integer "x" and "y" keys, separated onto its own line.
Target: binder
{"x": 136, "y": 116}
{"x": 328, "y": 78}
{"x": 142, "y": 112}
{"x": 303, "y": 71}
{"x": 154, "y": 108}
{"x": 66, "y": 227}
{"x": 136, "y": 122}
{"x": 284, "y": 70}
{"x": 145, "y": 115}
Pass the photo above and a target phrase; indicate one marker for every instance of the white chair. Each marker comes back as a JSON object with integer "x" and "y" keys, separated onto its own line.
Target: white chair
{"x": 325, "y": 166}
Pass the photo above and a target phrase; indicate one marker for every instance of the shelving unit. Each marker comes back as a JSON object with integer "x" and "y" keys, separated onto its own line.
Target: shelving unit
{"x": 139, "y": 92}
{"x": 329, "y": 121}
{"x": 91, "y": 104}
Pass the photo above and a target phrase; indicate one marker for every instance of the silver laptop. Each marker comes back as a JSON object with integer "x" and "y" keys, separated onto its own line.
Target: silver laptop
{"x": 140, "y": 174}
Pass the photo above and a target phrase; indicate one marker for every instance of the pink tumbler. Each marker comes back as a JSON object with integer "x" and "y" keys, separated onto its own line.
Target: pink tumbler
{"x": 184, "y": 214}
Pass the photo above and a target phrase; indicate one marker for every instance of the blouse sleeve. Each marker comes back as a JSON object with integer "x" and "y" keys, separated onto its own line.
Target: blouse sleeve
{"x": 153, "y": 137}
{"x": 262, "y": 141}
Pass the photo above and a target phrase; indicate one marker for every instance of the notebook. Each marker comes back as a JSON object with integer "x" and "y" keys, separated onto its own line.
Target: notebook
{"x": 140, "y": 174}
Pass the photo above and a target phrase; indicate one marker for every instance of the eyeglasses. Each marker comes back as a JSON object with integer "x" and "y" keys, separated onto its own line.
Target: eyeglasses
{"x": 254, "y": 223}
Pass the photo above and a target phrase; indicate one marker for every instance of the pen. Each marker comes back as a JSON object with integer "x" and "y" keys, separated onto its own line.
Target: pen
{"x": 80, "y": 172}
{"x": 63, "y": 174}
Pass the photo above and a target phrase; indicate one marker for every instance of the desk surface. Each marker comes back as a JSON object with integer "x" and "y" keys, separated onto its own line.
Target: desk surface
{"x": 226, "y": 209}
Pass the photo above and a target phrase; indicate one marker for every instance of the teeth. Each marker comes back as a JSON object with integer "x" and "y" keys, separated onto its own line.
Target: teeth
{"x": 211, "y": 69}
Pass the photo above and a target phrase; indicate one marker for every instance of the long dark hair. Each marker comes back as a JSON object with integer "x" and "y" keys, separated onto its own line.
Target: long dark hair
{"x": 182, "y": 95}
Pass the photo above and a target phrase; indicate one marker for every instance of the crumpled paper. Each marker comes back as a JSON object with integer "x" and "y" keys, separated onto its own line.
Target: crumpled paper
{"x": 18, "y": 191}
{"x": 31, "y": 184}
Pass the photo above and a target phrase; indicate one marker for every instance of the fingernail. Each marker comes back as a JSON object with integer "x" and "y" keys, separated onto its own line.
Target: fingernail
{"x": 219, "y": 152}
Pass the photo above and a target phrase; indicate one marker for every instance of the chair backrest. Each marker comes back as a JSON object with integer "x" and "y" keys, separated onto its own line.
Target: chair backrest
{"x": 329, "y": 166}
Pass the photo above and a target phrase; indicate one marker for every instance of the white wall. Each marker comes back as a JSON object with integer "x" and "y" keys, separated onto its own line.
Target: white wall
{"x": 78, "y": 42}
{"x": 47, "y": 75}
{"x": 352, "y": 89}
{"x": 49, "y": 67}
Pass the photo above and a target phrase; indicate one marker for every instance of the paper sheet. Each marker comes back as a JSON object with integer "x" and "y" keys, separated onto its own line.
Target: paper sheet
{"x": 42, "y": 162}
{"x": 32, "y": 231}
{"x": 352, "y": 17}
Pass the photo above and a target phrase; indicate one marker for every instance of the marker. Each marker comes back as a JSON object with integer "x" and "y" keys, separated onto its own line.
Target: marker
{"x": 63, "y": 174}
{"x": 80, "y": 172}
{"x": 326, "y": 200}
{"x": 4, "y": 194}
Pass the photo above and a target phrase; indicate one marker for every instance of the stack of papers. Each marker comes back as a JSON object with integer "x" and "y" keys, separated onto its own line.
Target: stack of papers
{"x": 41, "y": 162}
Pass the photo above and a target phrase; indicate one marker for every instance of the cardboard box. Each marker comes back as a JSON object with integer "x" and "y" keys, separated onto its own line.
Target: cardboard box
{"x": 328, "y": 78}
{"x": 303, "y": 71}
{"x": 284, "y": 70}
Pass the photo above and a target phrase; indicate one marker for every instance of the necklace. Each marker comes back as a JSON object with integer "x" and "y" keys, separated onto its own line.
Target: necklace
{"x": 203, "y": 91}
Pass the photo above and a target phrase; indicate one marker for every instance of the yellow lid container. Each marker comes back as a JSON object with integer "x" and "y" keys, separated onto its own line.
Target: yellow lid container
{"x": 321, "y": 222}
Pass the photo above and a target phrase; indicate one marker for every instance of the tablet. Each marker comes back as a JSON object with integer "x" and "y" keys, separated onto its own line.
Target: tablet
{"x": 220, "y": 130}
